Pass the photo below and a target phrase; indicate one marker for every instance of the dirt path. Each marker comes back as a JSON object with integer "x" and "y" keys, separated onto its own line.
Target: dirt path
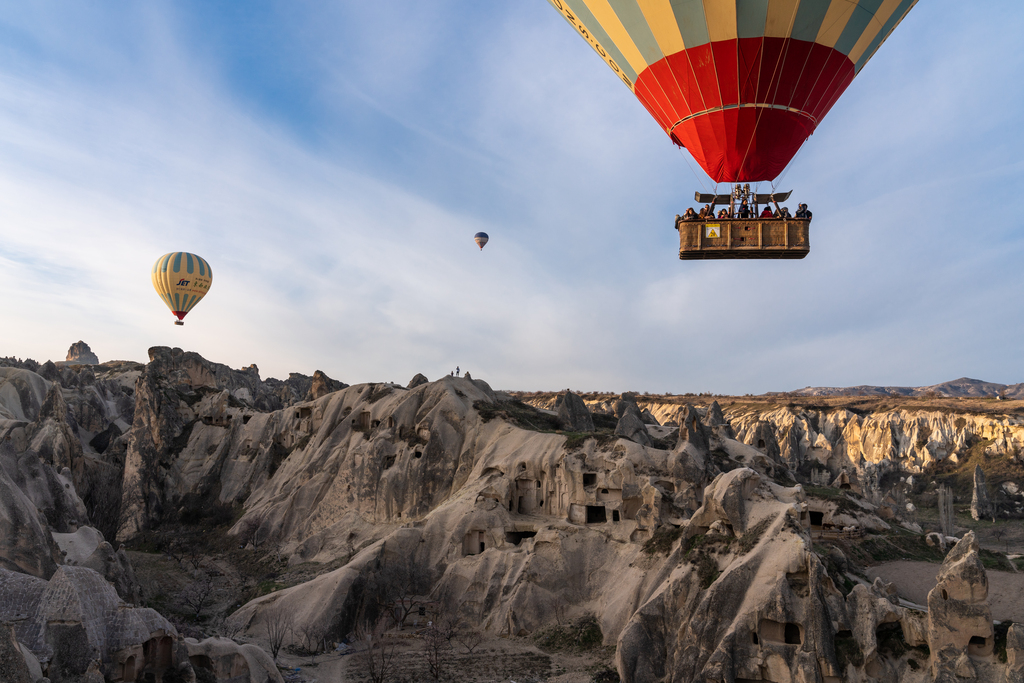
{"x": 914, "y": 579}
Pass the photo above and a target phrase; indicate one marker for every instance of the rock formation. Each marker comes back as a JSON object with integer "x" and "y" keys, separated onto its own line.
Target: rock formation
{"x": 321, "y": 385}
{"x": 416, "y": 381}
{"x": 816, "y": 443}
{"x": 631, "y": 426}
{"x": 13, "y": 662}
{"x": 573, "y": 414}
{"x": 694, "y": 558}
{"x": 226, "y": 660}
{"x": 75, "y": 624}
{"x": 1015, "y": 654}
{"x": 81, "y": 354}
{"x": 959, "y": 618}
{"x": 981, "y": 507}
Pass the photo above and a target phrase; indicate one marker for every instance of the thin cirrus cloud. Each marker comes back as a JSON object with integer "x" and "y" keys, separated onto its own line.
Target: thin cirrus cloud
{"x": 334, "y": 162}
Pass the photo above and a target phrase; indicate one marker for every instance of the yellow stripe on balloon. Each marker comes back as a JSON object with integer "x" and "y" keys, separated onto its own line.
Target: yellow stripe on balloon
{"x": 178, "y": 288}
{"x": 877, "y": 22}
{"x": 839, "y": 13}
{"x": 721, "y": 19}
{"x": 662, "y": 20}
{"x": 609, "y": 21}
{"x": 781, "y": 15}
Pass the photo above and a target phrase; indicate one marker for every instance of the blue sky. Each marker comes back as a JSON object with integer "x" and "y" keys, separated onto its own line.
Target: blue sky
{"x": 332, "y": 161}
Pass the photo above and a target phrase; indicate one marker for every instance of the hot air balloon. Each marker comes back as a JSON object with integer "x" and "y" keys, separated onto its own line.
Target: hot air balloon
{"x": 481, "y": 239}
{"x": 741, "y": 84}
{"x": 182, "y": 280}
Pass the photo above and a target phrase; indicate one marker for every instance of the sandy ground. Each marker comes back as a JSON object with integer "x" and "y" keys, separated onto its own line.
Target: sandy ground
{"x": 914, "y": 579}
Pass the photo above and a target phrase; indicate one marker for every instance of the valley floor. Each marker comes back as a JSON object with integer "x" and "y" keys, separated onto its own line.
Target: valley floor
{"x": 496, "y": 660}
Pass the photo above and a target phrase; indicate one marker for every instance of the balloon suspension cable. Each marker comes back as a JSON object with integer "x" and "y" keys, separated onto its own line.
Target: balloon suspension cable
{"x": 778, "y": 181}
{"x": 684, "y": 155}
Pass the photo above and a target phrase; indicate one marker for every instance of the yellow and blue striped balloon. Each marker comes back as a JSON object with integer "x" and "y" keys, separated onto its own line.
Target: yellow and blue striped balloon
{"x": 182, "y": 280}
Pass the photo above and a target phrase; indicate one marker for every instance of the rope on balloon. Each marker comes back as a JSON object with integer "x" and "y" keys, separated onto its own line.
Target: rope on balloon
{"x": 685, "y": 155}
{"x": 775, "y": 70}
{"x": 778, "y": 181}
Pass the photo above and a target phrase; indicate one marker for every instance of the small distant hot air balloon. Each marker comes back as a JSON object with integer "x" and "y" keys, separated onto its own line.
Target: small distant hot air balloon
{"x": 481, "y": 239}
{"x": 182, "y": 280}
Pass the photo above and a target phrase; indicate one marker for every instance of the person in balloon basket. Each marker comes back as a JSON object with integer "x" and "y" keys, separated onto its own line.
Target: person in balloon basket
{"x": 803, "y": 212}
{"x": 744, "y": 211}
{"x": 706, "y": 212}
{"x": 766, "y": 212}
{"x": 723, "y": 213}
{"x": 782, "y": 213}
{"x": 690, "y": 215}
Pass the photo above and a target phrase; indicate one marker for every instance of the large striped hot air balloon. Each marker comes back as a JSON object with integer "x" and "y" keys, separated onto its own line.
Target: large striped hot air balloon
{"x": 182, "y": 280}
{"x": 741, "y": 84}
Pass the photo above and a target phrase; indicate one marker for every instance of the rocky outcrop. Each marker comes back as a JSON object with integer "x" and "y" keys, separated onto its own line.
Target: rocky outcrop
{"x": 1015, "y": 654}
{"x": 981, "y": 507}
{"x": 226, "y": 660}
{"x": 691, "y": 429}
{"x": 77, "y": 625}
{"x": 322, "y": 385}
{"x": 87, "y": 548}
{"x": 817, "y": 443}
{"x": 25, "y": 544}
{"x": 573, "y": 414}
{"x": 631, "y": 426}
{"x": 81, "y": 354}
{"x": 12, "y": 661}
{"x": 417, "y": 380}
{"x": 695, "y": 561}
{"x": 959, "y": 618}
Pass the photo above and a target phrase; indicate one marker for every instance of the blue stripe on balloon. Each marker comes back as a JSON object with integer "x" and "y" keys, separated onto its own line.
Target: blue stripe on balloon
{"x": 177, "y": 262}
{"x": 635, "y": 23}
{"x": 693, "y": 25}
{"x": 887, "y": 28}
{"x": 862, "y": 15}
{"x": 751, "y": 16}
{"x": 808, "y": 19}
{"x": 189, "y": 267}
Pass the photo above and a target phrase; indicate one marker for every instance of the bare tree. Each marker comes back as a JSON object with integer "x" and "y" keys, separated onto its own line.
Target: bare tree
{"x": 397, "y": 591}
{"x": 176, "y": 549}
{"x": 376, "y": 656}
{"x": 277, "y": 623}
{"x": 230, "y": 628}
{"x": 999, "y": 533}
{"x": 251, "y": 529}
{"x": 195, "y": 555}
{"x": 197, "y": 594}
{"x": 313, "y": 635}
{"x": 469, "y": 638}
{"x": 437, "y": 651}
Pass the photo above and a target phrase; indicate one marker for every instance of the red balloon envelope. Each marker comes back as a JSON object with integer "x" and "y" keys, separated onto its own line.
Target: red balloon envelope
{"x": 741, "y": 84}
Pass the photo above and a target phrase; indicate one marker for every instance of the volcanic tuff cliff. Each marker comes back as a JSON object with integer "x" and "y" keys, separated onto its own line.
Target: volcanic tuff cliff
{"x": 688, "y": 542}
{"x": 819, "y": 442}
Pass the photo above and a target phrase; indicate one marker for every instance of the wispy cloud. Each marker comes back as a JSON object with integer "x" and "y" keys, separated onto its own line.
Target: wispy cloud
{"x": 333, "y": 165}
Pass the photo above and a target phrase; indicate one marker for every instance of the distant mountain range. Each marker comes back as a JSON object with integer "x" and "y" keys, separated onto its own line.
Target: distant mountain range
{"x": 963, "y": 387}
